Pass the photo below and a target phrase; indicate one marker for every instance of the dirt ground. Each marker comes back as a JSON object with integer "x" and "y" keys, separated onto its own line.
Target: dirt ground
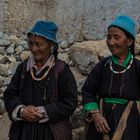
{"x": 4, "y": 127}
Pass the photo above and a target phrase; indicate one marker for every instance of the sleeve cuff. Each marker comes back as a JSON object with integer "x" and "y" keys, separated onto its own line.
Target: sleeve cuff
{"x": 42, "y": 110}
{"x": 15, "y": 112}
{"x": 90, "y": 106}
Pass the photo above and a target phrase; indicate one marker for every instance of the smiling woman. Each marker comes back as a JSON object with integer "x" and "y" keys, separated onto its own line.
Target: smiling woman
{"x": 118, "y": 42}
{"x": 42, "y": 94}
{"x": 40, "y": 48}
{"x": 111, "y": 92}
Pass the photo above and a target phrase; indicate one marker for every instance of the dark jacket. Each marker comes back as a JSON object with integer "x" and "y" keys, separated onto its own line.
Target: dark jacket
{"x": 103, "y": 83}
{"x": 61, "y": 96}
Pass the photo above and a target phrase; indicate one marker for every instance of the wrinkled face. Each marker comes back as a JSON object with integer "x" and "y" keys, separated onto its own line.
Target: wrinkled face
{"x": 40, "y": 48}
{"x": 118, "y": 42}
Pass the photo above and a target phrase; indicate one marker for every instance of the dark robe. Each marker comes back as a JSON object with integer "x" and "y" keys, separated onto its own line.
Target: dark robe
{"x": 102, "y": 83}
{"x": 24, "y": 90}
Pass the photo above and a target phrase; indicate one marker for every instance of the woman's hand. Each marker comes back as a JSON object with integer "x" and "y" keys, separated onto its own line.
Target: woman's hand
{"x": 100, "y": 123}
{"x": 31, "y": 114}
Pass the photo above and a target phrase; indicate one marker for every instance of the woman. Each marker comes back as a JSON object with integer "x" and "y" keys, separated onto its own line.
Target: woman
{"x": 42, "y": 93}
{"x": 115, "y": 83}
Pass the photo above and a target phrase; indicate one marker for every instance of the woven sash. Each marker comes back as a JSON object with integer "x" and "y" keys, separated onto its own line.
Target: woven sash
{"x": 122, "y": 123}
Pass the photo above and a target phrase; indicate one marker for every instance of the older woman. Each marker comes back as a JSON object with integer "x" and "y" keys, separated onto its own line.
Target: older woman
{"x": 42, "y": 93}
{"x": 116, "y": 80}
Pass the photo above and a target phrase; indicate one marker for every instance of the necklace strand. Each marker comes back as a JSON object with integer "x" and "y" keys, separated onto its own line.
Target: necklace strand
{"x": 45, "y": 74}
{"x": 120, "y": 72}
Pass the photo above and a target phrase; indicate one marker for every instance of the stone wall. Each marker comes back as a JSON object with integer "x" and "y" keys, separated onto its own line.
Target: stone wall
{"x": 1, "y": 13}
{"x": 77, "y": 19}
{"x": 21, "y": 14}
{"x": 88, "y": 19}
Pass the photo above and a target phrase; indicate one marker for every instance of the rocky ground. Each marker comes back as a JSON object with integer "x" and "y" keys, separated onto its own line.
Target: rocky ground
{"x": 4, "y": 127}
{"x": 80, "y": 56}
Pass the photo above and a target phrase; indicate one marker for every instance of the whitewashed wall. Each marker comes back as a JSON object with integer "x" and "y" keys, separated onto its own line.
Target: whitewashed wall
{"x": 77, "y": 19}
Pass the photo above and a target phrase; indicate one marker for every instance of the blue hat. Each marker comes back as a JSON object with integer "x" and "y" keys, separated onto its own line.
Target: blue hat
{"x": 126, "y": 23}
{"x": 46, "y": 29}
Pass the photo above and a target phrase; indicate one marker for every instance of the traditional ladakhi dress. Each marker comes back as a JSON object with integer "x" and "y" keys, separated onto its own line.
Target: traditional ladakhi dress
{"x": 116, "y": 90}
{"x": 56, "y": 93}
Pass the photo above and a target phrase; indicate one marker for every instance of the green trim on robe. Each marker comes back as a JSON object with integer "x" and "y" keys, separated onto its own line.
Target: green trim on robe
{"x": 115, "y": 100}
{"x": 125, "y": 62}
{"x": 90, "y": 106}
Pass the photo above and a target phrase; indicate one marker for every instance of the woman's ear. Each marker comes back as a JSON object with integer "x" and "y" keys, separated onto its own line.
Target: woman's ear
{"x": 53, "y": 48}
{"x": 130, "y": 41}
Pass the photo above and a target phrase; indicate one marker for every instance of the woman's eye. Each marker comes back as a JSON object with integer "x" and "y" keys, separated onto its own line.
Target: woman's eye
{"x": 37, "y": 44}
{"x": 108, "y": 37}
{"x": 117, "y": 38}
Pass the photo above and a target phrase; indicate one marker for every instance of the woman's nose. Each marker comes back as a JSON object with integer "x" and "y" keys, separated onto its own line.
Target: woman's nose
{"x": 112, "y": 41}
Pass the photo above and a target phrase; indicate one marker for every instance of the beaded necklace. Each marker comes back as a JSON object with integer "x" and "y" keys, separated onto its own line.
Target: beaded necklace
{"x": 45, "y": 74}
{"x": 120, "y": 72}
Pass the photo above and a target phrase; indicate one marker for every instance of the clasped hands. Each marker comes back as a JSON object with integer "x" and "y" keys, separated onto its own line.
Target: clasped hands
{"x": 32, "y": 114}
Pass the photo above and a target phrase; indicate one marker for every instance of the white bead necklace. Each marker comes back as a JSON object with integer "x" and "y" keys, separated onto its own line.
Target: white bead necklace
{"x": 120, "y": 72}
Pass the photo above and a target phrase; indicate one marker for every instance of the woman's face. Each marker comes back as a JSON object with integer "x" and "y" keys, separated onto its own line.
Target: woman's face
{"x": 40, "y": 48}
{"x": 118, "y": 42}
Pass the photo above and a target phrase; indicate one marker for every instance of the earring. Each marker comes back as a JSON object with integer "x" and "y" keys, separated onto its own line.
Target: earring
{"x": 52, "y": 49}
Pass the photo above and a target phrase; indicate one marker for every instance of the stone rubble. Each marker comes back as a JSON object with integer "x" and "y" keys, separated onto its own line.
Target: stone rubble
{"x": 80, "y": 56}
